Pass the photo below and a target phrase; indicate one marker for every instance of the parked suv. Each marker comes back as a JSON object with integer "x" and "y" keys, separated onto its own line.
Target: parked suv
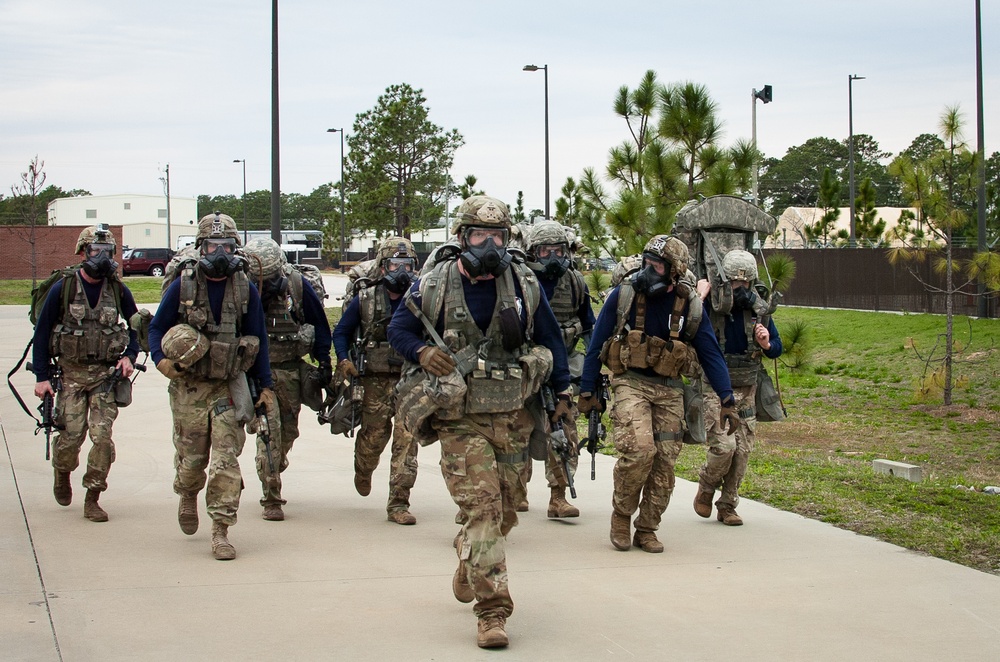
{"x": 150, "y": 261}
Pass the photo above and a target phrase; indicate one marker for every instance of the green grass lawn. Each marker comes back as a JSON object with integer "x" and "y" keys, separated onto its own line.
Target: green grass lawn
{"x": 863, "y": 393}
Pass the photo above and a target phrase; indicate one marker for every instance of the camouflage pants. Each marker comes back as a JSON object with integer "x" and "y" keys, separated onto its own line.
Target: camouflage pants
{"x": 207, "y": 437}
{"x": 284, "y": 431}
{"x": 482, "y": 456}
{"x": 647, "y": 423}
{"x": 727, "y": 457}
{"x": 81, "y": 407}
{"x": 378, "y": 412}
{"x": 554, "y": 473}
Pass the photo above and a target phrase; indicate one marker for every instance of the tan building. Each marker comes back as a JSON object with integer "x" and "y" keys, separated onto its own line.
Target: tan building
{"x": 143, "y": 217}
{"x": 790, "y": 232}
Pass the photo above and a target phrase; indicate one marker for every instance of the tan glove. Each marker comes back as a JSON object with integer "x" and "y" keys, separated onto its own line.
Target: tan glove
{"x": 347, "y": 368}
{"x": 728, "y": 416}
{"x": 436, "y": 361}
{"x": 266, "y": 398}
{"x": 563, "y": 411}
{"x": 168, "y": 369}
{"x": 587, "y": 402}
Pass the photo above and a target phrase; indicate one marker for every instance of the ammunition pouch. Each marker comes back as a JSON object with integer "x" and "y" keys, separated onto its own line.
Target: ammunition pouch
{"x": 284, "y": 347}
{"x": 310, "y": 386}
{"x": 123, "y": 392}
{"x": 100, "y": 345}
{"x": 636, "y": 350}
{"x": 382, "y": 359}
{"x": 226, "y": 360}
{"x": 742, "y": 369}
{"x": 494, "y": 388}
{"x": 420, "y": 397}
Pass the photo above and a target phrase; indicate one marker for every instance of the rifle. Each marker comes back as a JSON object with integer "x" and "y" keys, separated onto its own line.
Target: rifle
{"x": 359, "y": 357}
{"x": 47, "y": 408}
{"x": 111, "y": 383}
{"x": 263, "y": 425}
{"x": 596, "y": 431}
{"x": 558, "y": 437}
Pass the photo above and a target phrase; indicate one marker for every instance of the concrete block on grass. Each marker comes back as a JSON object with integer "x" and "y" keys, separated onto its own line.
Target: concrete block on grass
{"x": 910, "y": 472}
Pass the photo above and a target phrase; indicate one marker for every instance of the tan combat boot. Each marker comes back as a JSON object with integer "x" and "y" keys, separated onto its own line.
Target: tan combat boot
{"x": 559, "y": 506}
{"x": 62, "y": 489}
{"x": 273, "y": 513}
{"x": 91, "y": 509}
{"x": 460, "y": 584}
{"x": 491, "y": 631}
{"x": 727, "y": 515}
{"x": 402, "y": 517}
{"x": 621, "y": 527}
{"x": 647, "y": 542}
{"x": 187, "y": 513}
{"x": 221, "y": 547}
{"x": 522, "y": 508}
{"x": 703, "y": 501}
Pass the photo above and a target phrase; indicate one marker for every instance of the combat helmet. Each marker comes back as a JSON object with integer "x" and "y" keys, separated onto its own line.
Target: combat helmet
{"x": 99, "y": 234}
{"x": 184, "y": 345}
{"x": 396, "y": 247}
{"x": 548, "y": 233}
{"x": 265, "y": 257}
{"x": 481, "y": 211}
{"x": 398, "y": 261}
{"x": 669, "y": 249}
{"x": 217, "y": 225}
{"x": 739, "y": 265}
{"x": 485, "y": 257}
{"x": 557, "y": 261}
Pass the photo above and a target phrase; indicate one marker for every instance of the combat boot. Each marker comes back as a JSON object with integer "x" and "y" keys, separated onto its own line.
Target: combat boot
{"x": 460, "y": 584}
{"x": 221, "y": 548}
{"x": 402, "y": 517}
{"x": 63, "y": 489}
{"x": 647, "y": 542}
{"x": 727, "y": 515}
{"x": 491, "y": 631}
{"x": 621, "y": 526}
{"x": 522, "y": 507}
{"x": 559, "y": 506}
{"x": 187, "y": 513}
{"x": 363, "y": 484}
{"x": 273, "y": 513}
{"x": 91, "y": 509}
{"x": 703, "y": 501}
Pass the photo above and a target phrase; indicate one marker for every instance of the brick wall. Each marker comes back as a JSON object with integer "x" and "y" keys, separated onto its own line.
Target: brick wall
{"x": 53, "y": 249}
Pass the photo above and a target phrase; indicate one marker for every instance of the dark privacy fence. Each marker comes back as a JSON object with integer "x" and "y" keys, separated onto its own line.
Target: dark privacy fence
{"x": 863, "y": 279}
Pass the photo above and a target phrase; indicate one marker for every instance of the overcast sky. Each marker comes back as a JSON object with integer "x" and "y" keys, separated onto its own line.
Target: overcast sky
{"x": 108, "y": 92}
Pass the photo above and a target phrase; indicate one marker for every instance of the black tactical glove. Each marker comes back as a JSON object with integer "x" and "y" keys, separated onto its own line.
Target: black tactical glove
{"x": 325, "y": 373}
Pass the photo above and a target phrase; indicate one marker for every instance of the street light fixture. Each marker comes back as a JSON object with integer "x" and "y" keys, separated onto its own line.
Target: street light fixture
{"x": 765, "y": 96}
{"x": 545, "y": 68}
{"x": 244, "y": 162}
{"x": 341, "y": 256}
{"x": 852, "y": 241}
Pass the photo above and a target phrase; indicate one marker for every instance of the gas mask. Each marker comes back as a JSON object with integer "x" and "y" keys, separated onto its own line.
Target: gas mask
{"x": 274, "y": 288}
{"x": 647, "y": 281}
{"x": 744, "y": 298}
{"x": 398, "y": 274}
{"x": 99, "y": 263}
{"x": 218, "y": 258}
{"x": 485, "y": 257}
{"x": 553, "y": 265}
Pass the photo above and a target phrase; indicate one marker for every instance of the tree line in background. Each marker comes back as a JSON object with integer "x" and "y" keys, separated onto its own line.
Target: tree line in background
{"x": 396, "y": 177}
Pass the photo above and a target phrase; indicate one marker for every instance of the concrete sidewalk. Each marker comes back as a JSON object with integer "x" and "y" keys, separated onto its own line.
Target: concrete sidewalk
{"x": 335, "y": 580}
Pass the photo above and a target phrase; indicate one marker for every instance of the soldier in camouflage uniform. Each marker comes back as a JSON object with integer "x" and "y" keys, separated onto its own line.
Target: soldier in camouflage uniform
{"x": 363, "y": 328}
{"x": 727, "y": 456}
{"x": 212, "y": 299}
{"x": 650, "y": 334}
{"x": 550, "y": 257}
{"x": 80, "y": 328}
{"x": 296, "y": 325}
{"x": 478, "y": 317}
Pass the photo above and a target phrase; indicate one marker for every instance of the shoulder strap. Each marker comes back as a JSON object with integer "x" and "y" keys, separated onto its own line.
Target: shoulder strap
{"x": 295, "y": 285}
{"x": 531, "y": 293}
{"x": 626, "y": 295}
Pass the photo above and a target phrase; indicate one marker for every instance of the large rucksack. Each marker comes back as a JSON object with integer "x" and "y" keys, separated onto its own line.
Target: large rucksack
{"x": 312, "y": 275}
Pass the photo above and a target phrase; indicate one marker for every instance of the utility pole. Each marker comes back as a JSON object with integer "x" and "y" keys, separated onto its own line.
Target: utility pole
{"x": 981, "y": 148}
{"x": 852, "y": 241}
{"x": 167, "y": 180}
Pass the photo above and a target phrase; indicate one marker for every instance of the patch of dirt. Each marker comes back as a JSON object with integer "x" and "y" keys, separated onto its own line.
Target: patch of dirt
{"x": 962, "y": 413}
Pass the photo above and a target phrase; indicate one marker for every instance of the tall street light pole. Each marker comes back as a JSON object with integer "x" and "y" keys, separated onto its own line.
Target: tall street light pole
{"x": 981, "y": 148}
{"x": 275, "y": 143}
{"x": 852, "y": 241}
{"x": 545, "y": 68}
{"x": 244, "y": 162}
{"x": 341, "y": 257}
{"x": 765, "y": 96}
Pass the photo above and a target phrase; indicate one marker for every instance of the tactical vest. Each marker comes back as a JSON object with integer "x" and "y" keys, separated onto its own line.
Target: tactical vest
{"x": 376, "y": 312}
{"x": 287, "y": 339}
{"x": 493, "y": 374}
{"x": 86, "y": 335}
{"x": 565, "y": 303}
{"x": 633, "y": 349}
{"x": 743, "y": 368}
{"x": 229, "y": 353}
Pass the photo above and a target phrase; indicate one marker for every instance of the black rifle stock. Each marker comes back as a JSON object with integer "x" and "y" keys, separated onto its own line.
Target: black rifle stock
{"x": 111, "y": 383}
{"x": 46, "y": 408}
{"x": 263, "y": 425}
{"x": 560, "y": 444}
{"x": 596, "y": 431}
